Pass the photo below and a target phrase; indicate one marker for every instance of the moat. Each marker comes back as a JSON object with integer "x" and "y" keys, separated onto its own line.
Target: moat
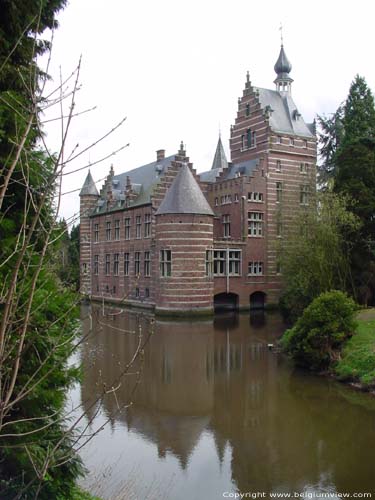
{"x": 215, "y": 411}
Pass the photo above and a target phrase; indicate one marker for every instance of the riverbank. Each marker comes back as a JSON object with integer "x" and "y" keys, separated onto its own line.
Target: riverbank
{"x": 357, "y": 363}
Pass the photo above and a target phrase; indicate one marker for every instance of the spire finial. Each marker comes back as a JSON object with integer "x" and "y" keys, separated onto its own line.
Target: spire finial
{"x": 281, "y": 34}
{"x": 247, "y": 76}
{"x": 219, "y": 131}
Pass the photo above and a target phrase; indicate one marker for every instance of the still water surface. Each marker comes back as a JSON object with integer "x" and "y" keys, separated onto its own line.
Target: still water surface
{"x": 215, "y": 411}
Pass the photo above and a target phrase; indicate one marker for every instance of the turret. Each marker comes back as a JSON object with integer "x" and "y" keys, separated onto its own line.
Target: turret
{"x": 282, "y": 69}
{"x": 184, "y": 236}
{"x": 88, "y": 198}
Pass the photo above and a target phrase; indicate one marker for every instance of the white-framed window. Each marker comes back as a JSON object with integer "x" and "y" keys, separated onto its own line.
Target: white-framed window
{"x": 96, "y": 264}
{"x": 226, "y": 199}
{"x": 278, "y": 165}
{"x": 227, "y": 261}
{"x": 126, "y": 263}
{"x": 147, "y": 225}
{"x": 108, "y": 231}
{"x": 255, "y": 196}
{"x": 291, "y": 141}
{"x": 236, "y": 198}
{"x": 137, "y": 263}
{"x": 127, "y": 228}
{"x": 226, "y": 226}
{"x": 255, "y": 223}
{"x": 117, "y": 229}
{"x": 255, "y": 268}
{"x": 138, "y": 227}
{"x": 96, "y": 233}
{"x": 279, "y": 191}
{"x": 216, "y": 202}
{"x": 278, "y": 139}
{"x": 107, "y": 264}
{"x": 234, "y": 262}
{"x": 147, "y": 264}
{"x": 304, "y": 194}
{"x": 116, "y": 264}
{"x": 165, "y": 263}
{"x": 209, "y": 262}
{"x": 220, "y": 262}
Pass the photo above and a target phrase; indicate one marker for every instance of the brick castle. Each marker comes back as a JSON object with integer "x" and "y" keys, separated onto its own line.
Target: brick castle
{"x": 164, "y": 237}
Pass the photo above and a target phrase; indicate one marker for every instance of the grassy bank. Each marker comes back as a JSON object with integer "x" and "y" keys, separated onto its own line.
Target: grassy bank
{"x": 357, "y": 362}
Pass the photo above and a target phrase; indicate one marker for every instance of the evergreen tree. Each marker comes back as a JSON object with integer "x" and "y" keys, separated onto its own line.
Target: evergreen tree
{"x": 359, "y": 112}
{"x": 36, "y": 311}
{"x": 355, "y": 178}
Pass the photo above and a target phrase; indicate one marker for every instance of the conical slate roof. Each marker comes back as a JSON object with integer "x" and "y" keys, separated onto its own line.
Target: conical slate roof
{"x": 184, "y": 196}
{"x": 282, "y": 66}
{"x": 89, "y": 187}
{"x": 220, "y": 160}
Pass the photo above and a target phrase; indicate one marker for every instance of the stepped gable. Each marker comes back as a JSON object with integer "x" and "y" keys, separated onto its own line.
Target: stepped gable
{"x": 283, "y": 113}
{"x": 184, "y": 196}
{"x": 89, "y": 188}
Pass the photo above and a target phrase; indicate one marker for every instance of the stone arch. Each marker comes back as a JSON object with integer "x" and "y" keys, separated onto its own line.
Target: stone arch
{"x": 258, "y": 300}
{"x": 226, "y": 302}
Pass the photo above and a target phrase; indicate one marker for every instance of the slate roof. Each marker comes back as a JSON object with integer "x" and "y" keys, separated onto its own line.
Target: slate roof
{"x": 284, "y": 116}
{"x": 184, "y": 196}
{"x": 220, "y": 160}
{"x": 282, "y": 66}
{"x": 234, "y": 170}
{"x": 89, "y": 187}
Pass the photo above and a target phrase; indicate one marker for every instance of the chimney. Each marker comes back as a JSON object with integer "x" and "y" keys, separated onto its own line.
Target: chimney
{"x": 160, "y": 154}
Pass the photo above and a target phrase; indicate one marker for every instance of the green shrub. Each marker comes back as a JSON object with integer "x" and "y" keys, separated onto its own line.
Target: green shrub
{"x": 316, "y": 340}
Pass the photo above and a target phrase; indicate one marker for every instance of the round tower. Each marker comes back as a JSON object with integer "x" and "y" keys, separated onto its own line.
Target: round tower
{"x": 88, "y": 198}
{"x": 184, "y": 242}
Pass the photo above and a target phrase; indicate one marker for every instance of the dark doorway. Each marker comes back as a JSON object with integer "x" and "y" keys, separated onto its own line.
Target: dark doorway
{"x": 257, "y": 300}
{"x": 226, "y": 302}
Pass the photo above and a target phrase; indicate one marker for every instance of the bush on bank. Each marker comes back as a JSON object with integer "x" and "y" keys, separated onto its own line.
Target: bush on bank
{"x": 316, "y": 340}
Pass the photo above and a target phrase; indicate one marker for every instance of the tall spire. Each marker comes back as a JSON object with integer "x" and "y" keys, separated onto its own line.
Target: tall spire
{"x": 283, "y": 68}
{"x": 220, "y": 160}
{"x": 89, "y": 187}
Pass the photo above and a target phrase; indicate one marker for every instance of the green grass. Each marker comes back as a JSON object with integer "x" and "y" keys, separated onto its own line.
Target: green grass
{"x": 358, "y": 357}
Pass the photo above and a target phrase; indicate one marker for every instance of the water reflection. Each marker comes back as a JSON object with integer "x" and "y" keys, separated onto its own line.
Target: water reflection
{"x": 285, "y": 430}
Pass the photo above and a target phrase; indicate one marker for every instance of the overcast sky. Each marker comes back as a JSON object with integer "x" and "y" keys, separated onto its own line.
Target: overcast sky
{"x": 175, "y": 70}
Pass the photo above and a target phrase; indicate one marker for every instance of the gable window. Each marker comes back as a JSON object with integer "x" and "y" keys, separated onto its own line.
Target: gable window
{"x": 107, "y": 264}
{"x": 137, "y": 263}
{"x": 147, "y": 264}
{"x": 279, "y": 191}
{"x": 127, "y": 228}
{"x": 255, "y": 224}
{"x": 254, "y": 139}
{"x": 96, "y": 264}
{"x": 226, "y": 225}
{"x": 138, "y": 226}
{"x": 108, "y": 231}
{"x": 278, "y": 165}
{"x": 247, "y": 109}
{"x": 304, "y": 194}
{"x": 117, "y": 229}
{"x": 147, "y": 225}
{"x": 96, "y": 233}
{"x": 165, "y": 263}
{"x": 255, "y": 268}
{"x": 248, "y": 138}
{"x": 126, "y": 264}
{"x": 243, "y": 143}
{"x": 116, "y": 264}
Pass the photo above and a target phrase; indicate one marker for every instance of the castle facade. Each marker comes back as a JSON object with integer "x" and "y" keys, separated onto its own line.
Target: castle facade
{"x": 164, "y": 237}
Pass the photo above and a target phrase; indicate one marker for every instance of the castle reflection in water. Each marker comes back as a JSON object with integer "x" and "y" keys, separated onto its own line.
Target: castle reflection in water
{"x": 286, "y": 430}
